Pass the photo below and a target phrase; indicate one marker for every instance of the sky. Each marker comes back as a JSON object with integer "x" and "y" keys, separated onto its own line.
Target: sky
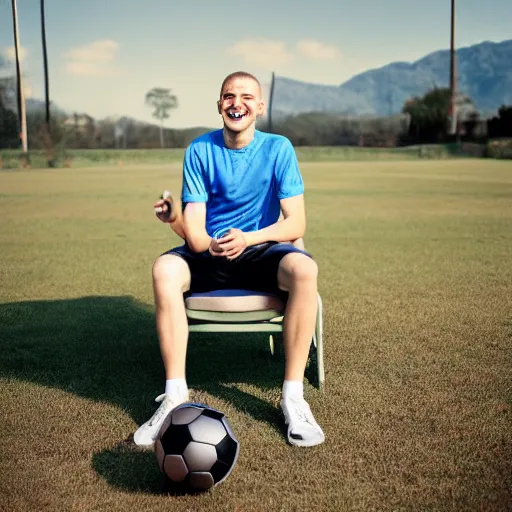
{"x": 105, "y": 55}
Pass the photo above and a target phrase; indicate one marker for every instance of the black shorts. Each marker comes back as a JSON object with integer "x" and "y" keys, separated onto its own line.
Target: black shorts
{"x": 255, "y": 269}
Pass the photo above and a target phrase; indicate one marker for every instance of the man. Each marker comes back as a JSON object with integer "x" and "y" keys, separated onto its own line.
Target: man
{"x": 236, "y": 181}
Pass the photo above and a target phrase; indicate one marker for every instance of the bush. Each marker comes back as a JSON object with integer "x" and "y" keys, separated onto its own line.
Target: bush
{"x": 500, "y": 149}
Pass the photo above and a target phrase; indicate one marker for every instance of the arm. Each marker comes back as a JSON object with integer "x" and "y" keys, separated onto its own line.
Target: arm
{"x": 290, "y": 191}
{"x": 191, "y": 225}
{"x": 292, "y": 227}
{"x": 195, "y": 195}
{"x": 177, "y": 227}
{"x": 168, "y": 210}
{"x": 194, "y": 226}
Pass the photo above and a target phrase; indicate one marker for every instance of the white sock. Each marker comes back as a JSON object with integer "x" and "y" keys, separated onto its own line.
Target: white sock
{"x": 293, "y": 388}
{"x": 176, "y": 387}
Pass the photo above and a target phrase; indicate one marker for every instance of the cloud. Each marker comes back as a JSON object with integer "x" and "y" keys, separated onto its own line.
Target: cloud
{"x": 99, "y": 51}
{"x": 28, "y": 91}
{"x": 270, "y": 54}
{"x": 78, "y": 68}
{"x": 9, "y": 53}
{"x": 94, "y": 59}
{"x": 317, "y": 50}
{"x": 265, "y": 53}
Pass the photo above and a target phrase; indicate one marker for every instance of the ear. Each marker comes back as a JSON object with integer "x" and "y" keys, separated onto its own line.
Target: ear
{"x": 218, "y": 107}
{"x": 261, "y": 108}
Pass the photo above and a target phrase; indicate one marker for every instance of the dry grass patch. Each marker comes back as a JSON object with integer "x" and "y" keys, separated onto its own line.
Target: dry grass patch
{"x": 416, "y": 280}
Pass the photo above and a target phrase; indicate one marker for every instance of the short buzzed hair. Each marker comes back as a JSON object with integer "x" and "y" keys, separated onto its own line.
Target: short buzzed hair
{"x": 239, "y": 74}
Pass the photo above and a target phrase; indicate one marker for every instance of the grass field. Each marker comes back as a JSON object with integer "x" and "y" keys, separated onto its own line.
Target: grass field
{"x": 416, "y": 278}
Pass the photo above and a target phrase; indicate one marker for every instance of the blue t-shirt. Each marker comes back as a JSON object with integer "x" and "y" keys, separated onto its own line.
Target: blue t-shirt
{"x": 241, "y": 187}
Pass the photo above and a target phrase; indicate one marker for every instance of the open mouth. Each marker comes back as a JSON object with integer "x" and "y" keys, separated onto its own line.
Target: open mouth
{"x": 237, "y": 116}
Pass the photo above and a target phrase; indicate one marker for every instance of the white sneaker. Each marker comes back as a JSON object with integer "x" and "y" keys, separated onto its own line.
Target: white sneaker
{"x": 303, "y": 430}
{"x": 146, "y": 433}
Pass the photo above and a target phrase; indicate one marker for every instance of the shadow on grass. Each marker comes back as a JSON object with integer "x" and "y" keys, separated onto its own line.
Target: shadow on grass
{"x": 128, "y": 468}
{"x": 131, "y": 469}
{"x": 106, "y": 349}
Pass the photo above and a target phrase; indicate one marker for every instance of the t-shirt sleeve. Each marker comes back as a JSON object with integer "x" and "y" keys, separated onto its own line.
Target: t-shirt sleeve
{"x": 194, "y": 187}
{"x": 288, "y": 177}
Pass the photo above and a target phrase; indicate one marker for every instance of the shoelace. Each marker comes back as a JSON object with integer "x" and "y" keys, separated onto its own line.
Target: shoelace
{"x": 300, "y": 412}
{"x": 159, "y": 412}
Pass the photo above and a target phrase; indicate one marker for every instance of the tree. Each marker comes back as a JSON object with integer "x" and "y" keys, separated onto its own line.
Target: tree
{"x": 8, "y": 119}
{"x": 430, "y": 114}
{"x": 501, "y": 125}
{"x": 162, "y": 101}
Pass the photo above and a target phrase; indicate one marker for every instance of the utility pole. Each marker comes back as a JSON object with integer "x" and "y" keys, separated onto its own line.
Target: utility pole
{"x": 270, "y": 99}
{"x": 22, "y": 115}
{"x": 453, "y": 128}
{"x": 45, "y": 63}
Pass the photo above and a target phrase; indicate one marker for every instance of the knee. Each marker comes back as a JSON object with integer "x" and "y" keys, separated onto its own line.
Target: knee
{"x": 167, "y": 271}
{"x": 303, "y": 269}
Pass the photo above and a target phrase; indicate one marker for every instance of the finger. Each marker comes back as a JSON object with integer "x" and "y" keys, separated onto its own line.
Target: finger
{"x": 234, "y": 256}
{"x": 228, "y": 239}
{"x": 224, "y": 238}
{"x": 228, "y": 247}
{"x": 233, "y": 251}
{"x": 163, "y": 208}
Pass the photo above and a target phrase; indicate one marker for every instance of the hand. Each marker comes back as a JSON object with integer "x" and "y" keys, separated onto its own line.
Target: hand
{"x": 161, "y": 208}
{"x": 215, "y": 249}
{"x": 165, "y": 208}
{"x": 232, "y": 245}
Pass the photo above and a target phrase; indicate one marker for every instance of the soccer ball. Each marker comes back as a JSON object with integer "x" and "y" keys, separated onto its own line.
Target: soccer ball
{"x": 195, "y": 447}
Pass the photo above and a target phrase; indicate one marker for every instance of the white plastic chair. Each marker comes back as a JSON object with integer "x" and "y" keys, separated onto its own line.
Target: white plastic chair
{"x": 250, "y": 311}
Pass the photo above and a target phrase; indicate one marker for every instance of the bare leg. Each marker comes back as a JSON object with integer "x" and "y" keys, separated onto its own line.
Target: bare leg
{"x": 171, "y": 278}
{"x": 297, "y": 275}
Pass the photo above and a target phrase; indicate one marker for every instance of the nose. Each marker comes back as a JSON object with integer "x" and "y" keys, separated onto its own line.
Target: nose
{"x": 236, "y": 101}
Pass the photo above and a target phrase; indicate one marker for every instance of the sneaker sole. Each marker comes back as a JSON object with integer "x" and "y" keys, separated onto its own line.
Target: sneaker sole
{"x": 304, "y": 444}
{"x": 145, "y": 446}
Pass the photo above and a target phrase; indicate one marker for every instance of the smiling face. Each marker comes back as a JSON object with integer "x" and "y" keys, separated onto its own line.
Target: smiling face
{"x": 240, "y": 103}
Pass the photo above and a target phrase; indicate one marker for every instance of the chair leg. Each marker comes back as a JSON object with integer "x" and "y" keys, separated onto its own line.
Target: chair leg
{"x": 319, "y": 343}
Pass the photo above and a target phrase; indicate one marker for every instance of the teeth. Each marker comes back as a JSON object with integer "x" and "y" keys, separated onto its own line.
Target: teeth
{"x": 236, "y": 115}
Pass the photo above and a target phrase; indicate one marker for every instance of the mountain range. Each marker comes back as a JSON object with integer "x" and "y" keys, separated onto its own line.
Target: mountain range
{"x": 484, "y": 73}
